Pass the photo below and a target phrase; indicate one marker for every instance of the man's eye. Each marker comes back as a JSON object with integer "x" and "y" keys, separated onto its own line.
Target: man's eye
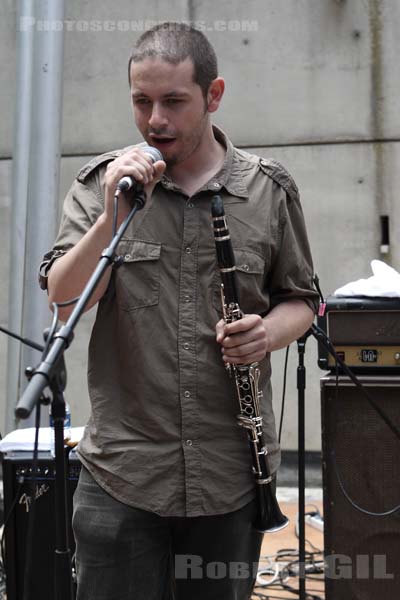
{"x": 173, "y": 101}
{"x": 141, "y": 101}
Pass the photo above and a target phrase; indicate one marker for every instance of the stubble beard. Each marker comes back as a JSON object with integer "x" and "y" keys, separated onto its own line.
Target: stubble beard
{"x": 191, "y": 143}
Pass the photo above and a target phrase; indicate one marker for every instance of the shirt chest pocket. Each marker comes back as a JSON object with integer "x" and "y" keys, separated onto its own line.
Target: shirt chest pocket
{"x": 249, "y": 275}
{"x": 137, "y": 279}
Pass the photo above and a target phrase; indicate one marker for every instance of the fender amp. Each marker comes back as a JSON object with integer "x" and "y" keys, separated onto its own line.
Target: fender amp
{"x": 365, "y": 333}
{"x": 17, "y": 479}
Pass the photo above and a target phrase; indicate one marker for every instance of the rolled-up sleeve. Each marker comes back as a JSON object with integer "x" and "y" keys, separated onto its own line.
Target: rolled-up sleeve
{"x": 82, "y": 207}
{"x": 291, "y": 276}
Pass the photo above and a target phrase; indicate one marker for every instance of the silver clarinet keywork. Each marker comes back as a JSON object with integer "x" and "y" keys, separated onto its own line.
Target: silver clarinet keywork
{"x": 269, "y": 517}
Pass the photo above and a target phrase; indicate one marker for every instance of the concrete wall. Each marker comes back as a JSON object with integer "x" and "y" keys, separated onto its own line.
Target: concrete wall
{"x": 313, "y": 83}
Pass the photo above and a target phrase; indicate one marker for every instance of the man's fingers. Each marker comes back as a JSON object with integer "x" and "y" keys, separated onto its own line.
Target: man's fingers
{"x": 241, "y": 350}
{"x": 245, "y": 324}
{"x": 220, "y": 330}
{"x": 244, "y": 359}
{"x": 159, "y": 168}
{"x": 136, "y": 164}
{"x": 239, "y": 339}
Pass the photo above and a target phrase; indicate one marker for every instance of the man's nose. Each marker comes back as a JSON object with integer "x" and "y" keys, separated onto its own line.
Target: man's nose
{"x": 157, "y": 117}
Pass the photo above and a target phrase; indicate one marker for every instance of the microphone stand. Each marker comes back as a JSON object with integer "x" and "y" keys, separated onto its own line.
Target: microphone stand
{"x": 48, "y": 373}
{"x": 301, "y": 386}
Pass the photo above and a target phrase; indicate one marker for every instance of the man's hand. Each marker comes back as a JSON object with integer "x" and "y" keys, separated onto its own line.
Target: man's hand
{"x": 250, "y": 338}
{"x": 138, "y": 165}
{"x": 244, "y": 341}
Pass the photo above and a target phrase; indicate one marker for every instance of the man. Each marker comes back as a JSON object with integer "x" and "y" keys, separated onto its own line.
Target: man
{"x": 165, "y": 503}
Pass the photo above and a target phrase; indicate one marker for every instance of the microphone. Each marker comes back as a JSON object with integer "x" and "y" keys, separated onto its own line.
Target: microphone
{"x": 128, "y": 182}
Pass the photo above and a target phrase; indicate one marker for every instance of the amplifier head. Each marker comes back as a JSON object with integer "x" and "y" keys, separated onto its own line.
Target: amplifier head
{"x": 365, "y": 332}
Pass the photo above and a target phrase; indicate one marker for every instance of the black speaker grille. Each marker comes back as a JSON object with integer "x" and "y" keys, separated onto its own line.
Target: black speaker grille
{"x": 359, "y": 449}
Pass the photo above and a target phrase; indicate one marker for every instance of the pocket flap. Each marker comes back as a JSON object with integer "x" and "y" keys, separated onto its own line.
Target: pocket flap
{"x": 248, "y": 262}
{"x": 139, "y": 250}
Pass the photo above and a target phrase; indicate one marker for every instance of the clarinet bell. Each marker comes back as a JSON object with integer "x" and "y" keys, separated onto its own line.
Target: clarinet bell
{"x": 270, "y": 517}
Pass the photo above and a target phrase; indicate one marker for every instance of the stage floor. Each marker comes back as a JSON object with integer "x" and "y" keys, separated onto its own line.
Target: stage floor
{"x": 280, "y": 552}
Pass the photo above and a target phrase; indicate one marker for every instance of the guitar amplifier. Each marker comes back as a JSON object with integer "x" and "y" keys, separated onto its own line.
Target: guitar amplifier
{"x": 17, "y": 484}
{"x": 365, "y": 333}
{"x": 360, "y": 457}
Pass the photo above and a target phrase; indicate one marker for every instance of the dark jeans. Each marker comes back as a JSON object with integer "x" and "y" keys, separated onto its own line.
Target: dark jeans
{"x": 124, "y": 553}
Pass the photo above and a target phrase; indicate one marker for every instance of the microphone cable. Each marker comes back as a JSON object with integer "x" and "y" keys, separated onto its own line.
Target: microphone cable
{"x": 285, "y": 369}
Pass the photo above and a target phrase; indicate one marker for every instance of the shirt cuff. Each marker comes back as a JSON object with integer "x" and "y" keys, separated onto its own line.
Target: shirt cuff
{"x": 48, "y": 259}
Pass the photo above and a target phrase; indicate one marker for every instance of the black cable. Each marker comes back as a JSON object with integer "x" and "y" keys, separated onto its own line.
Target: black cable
{"x": 115, "y": 216}
{"x": 317, "y": 287}
{"x": 290, "y": 570}
{"x": 53, "y": 328}
{"x": 283, "y": 394}
{"x": 21, "y": 339}
{"x": 387, "y": 513}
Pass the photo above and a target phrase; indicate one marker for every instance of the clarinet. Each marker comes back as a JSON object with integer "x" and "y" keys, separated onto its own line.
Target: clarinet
{"x": 269, "y": 516}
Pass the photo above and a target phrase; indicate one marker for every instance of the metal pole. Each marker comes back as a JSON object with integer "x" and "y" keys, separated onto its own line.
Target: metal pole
{"x": 301, "y": 386}
{"x": 22, "y": 132}
{"x": 42, "y": 187}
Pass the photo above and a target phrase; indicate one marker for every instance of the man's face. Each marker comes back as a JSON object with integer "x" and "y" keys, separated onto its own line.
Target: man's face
{"x": 169, "y": 108}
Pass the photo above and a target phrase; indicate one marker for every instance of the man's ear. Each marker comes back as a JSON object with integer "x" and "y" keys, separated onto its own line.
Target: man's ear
{"x": 215, "y": 93}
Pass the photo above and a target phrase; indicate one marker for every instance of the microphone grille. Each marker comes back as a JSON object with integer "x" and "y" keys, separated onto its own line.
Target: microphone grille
{"x": 154, "y": 153}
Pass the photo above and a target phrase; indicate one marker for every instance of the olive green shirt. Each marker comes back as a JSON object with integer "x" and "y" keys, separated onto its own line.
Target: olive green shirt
{"x": 163, "y": 433}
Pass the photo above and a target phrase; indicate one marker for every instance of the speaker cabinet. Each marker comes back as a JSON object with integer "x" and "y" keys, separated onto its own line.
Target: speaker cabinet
{"x": 361, "y": 459}
{"x": 17, "y": 480}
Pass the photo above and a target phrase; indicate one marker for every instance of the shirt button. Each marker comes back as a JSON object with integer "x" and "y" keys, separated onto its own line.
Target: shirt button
{"x": 216, "y": 185}
{"x": 190, "y": 204}
{"x": 186, "y": 346}
{"x": 186, "y": 298}
{"x": 188, "y": 250}
{"x": 187, "y": 394}
{"x": 189, "y": 443}
{"x": 246, "y": 268}
{"x": 127, "y": 256}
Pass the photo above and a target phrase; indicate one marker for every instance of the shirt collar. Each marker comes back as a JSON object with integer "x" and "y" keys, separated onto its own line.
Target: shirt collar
{"x": 229, "y": 176}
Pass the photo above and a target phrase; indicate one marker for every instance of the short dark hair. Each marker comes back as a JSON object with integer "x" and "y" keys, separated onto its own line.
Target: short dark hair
{"x": 174, "y": 43}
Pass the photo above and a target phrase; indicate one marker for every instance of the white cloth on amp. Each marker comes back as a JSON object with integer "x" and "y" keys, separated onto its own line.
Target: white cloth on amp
{"x": 384, "y": 283}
